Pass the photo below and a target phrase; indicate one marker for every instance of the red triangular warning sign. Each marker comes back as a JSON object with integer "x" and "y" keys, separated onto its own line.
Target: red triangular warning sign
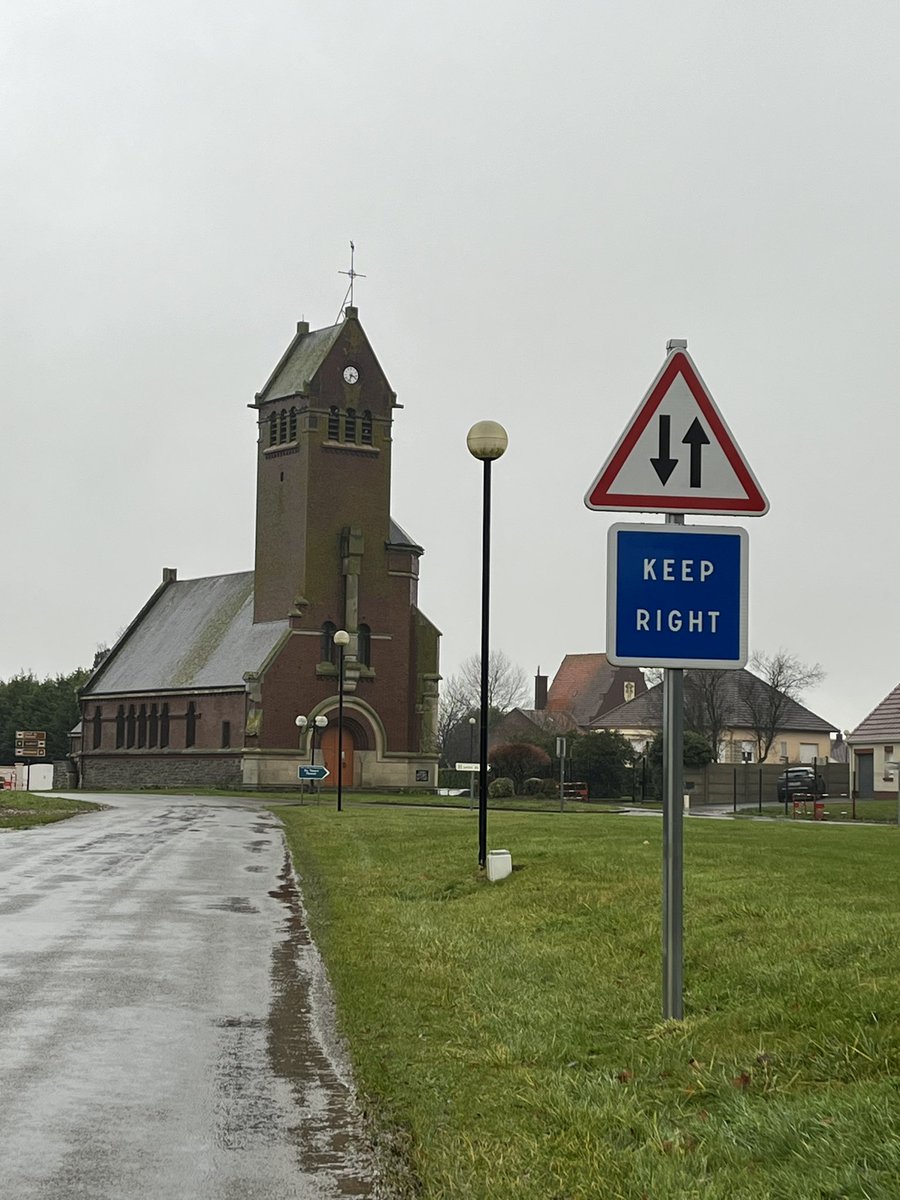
{"x": 677, "y": 454}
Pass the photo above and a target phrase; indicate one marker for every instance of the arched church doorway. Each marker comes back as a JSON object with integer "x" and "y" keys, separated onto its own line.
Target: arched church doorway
{"x": 329, "y": 754}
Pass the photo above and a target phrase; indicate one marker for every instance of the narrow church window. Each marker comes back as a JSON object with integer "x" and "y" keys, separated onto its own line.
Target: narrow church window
{"x": 292, "y": 425}
{"x": 129, "y": 727}
{"x": 328, "y": 631}
{"x": 190, "y": 725}
{"x": 98, "y": 728}
{"x": 153, "y": 727}
{"x": 364, "y": 645}
{"x": 282, "y": 426}
{"x": 142, "y": 727}
{"x": 226, "y": 734}
{"x": 273, "y": 428}
{"x": 367, "y": 428}
{"x": 334, "y": 424}
{"x": 350, "y": 425}
{"x": 164, "y": 726}
{"x": 120, "y": 727}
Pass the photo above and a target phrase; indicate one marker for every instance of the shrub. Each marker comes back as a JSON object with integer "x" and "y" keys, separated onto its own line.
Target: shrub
{"x": 499, "y": 789}
{"x": 518, "y": 761}
{"x": 541, "y": 787}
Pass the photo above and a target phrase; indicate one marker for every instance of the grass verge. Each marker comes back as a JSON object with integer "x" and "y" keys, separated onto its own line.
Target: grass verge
{"x": 23, "y": 810}
{"x": 509, "y": 1034}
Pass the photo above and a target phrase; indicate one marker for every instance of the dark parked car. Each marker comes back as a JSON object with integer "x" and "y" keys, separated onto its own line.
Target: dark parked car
{"x": 803, "y": 781}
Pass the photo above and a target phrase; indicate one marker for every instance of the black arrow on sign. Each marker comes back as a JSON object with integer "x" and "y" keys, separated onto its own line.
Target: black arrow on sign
{"x": 664, "y": 465}
{"x": 695, "y": 438}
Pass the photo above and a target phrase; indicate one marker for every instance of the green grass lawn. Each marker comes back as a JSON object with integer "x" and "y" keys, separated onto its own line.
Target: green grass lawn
{"x": 508, "y": 1036}
{"x": 22, "y": 810}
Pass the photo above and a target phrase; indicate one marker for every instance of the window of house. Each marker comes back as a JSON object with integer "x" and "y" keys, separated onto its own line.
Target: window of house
{"x": 226, "y": 734}
{"x": 153, "y": 726}
{"x": 292, "y": 425}
{"x": 164, "y": 726}
{"x": 808, "y": 751}
{"x": 334, "y": 424}
{"x": 142, "y": 727}
{"x": 364, "y": 645}
{"x": 629, "y": 691}
{"x": 367, "y": 428}
{"x": 350, "y": 425}
{"x": 98, "y": 728}
{"x": 329, "y": 629}
{"x": 129, "y": 727}
{"x": 120, "y": 726}
{"x": 747, "y": 752}
{"x": 190, "y": 725}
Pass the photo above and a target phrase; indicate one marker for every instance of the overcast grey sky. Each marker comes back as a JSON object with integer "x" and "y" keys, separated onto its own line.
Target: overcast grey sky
{"x": 540, "y": 195}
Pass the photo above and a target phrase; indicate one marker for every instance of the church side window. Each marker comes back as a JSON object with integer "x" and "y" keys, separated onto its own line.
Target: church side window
{"x": 120, "y": 726}
{"x": 98, "y": 728}
{"x": 364, "y": 645}
{"x": 334, "y": 424}
{"x": 129, "y": 727}
{"x": 190, "y": 725}
{"x": 153, "y": 726}
{"x": 329, "y": 629}
{"x": 226, "y": 734}
{"x": 142, "y": 727}
{"x": 282, "y": 425}
{"x": 273, "y": 429}
{"x": 367, "y": 428}
{"x": 164, "y": 726}
{"x": 350, "y": 425}
{"x": 292, "y": 425}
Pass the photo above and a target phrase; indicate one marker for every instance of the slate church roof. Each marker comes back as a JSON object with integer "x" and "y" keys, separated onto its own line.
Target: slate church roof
{"x": 192, "y": 634}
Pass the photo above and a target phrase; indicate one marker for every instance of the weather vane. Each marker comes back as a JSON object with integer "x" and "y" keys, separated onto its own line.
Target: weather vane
{"x": 353, "y": 275}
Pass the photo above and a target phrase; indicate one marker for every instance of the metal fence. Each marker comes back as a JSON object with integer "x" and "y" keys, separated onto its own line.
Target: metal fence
{"x": 739, "y": 785}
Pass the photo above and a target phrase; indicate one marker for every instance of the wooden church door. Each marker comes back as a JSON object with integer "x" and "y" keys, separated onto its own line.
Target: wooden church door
{"x": 329, "y": 755}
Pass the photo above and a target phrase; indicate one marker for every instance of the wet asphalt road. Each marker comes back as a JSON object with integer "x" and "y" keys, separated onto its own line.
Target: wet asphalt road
{"x": 165, "y": 1026}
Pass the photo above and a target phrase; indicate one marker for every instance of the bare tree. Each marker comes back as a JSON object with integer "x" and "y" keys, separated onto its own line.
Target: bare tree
{"x": 460, "y": 698}
{"x": 507, "y": 682}
{"x": 784, "y": 679}
{"x": 706, "y": 705}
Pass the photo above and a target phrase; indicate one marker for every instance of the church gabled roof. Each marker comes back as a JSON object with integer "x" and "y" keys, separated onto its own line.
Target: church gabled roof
{"x": 193, "y": 634}
{"x": 399, "y": 539}
{"x": 581, "y": 685}
{"x": 300, "y": 361}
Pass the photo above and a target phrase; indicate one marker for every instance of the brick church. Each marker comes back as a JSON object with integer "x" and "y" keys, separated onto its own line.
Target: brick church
{"x": 205, "y": 684}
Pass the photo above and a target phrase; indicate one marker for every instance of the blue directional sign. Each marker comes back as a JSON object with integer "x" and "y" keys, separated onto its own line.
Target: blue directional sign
{"x": 677, "y": 596}
{"x": 313, "y": 772}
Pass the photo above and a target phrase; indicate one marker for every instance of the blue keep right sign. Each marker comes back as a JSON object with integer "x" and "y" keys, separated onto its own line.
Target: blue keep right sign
{"x": 677, "y": 596}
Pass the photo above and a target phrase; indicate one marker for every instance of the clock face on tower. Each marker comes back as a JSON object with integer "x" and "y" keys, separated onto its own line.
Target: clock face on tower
{"x": 351, "y": 374}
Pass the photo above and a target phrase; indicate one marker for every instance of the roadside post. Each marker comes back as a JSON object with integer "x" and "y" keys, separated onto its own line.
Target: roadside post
{"x": 676, "y": 595}
{"x": 561, "y": 755}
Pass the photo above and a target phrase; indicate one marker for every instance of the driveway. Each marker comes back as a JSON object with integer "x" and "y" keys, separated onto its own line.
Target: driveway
{"x": 166, "y": 1029}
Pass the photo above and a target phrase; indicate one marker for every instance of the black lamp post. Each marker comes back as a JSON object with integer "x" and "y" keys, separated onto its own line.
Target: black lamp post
{"x": 341, "y": 640}
{"x": 486, "y": 441}
{"x": 314, "y": 724}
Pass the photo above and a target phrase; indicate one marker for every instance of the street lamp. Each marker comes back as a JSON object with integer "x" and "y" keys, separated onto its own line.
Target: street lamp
{"x": 471, "y": 756}
{"x": 486, "y": 441}
{"x": 341, "y": 640}
{"x": 316, "y": 723}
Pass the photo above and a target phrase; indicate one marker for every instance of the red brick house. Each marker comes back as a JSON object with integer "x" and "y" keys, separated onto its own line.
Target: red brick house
{"x": 205, "y": 684}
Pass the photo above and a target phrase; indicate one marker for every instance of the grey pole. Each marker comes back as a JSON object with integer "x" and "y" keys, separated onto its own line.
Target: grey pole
{"x": 673, "y": 834}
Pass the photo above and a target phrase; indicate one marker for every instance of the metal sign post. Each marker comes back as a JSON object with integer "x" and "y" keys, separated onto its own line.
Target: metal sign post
{"x": 561, "y": 755}
{"x": 673, "y": 836}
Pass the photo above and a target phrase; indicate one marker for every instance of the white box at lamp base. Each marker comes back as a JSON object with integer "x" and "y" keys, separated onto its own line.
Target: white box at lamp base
{"x": 499, "y": 864}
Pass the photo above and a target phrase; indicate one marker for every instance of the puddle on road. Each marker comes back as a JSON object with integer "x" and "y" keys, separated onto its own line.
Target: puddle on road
{"x": 235, "y": 904}
{"x": 305, "y": 1051}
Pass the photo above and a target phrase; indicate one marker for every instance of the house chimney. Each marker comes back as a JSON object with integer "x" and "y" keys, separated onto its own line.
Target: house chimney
{"x": 170, "y": 574}
{"x": 540, "y": 691}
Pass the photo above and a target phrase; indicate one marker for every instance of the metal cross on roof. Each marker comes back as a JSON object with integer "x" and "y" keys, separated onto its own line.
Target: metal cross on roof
{"x": 352, "y": 273}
